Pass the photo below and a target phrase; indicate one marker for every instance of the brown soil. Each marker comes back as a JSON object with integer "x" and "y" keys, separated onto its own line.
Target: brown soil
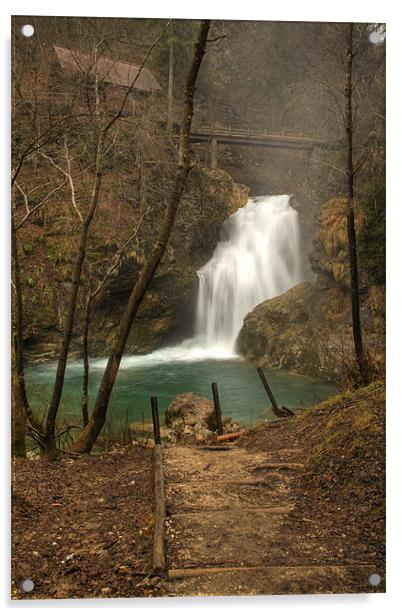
{"x": 240, "y": 524}
{"x": 83, "y": 527}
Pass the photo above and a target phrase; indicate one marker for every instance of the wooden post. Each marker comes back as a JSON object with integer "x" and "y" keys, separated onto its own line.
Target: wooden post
{"x": 159, "y": 547}
{"x": 267, "y": 388}
{"x": 155, "y": 420}
{"x": 218, "y": 410}
{"x": 214, "y": 152}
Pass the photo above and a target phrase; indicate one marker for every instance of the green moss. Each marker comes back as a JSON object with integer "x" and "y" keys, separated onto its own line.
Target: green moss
{"x": 30, "y": 282}
{"x": 28, "y": 248}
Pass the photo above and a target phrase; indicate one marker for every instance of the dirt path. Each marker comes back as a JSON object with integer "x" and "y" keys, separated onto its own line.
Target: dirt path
{"x": 234, "y": 528}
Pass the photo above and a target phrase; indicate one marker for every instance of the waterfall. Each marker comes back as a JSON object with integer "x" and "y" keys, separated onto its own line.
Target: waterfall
{"x": 256, "y": 258}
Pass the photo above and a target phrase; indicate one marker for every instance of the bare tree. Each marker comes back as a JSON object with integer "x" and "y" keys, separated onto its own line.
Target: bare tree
{"x": 350, "y": 173}
{"x": 88, "y": 437}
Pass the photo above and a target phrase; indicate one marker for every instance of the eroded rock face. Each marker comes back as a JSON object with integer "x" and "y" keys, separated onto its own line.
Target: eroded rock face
{"x": 308, "y": 329}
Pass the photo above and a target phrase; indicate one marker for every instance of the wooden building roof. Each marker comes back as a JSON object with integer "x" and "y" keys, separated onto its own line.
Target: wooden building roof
{"x": 111, "y": 71}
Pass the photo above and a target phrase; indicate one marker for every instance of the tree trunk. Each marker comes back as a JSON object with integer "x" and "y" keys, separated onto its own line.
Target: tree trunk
{"x": 88, "y": 437}
{"x": 18, "y": 365}
{"x": 170, "y": 91}
{"x": 353, "y": 260}
{"x": 50, "y": 443}
{"x": 85, "y": 358}
{"x": 18, "y": 417}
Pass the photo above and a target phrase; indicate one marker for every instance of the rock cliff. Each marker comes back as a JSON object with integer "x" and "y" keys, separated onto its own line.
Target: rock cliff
{"x": 308, "y": 329}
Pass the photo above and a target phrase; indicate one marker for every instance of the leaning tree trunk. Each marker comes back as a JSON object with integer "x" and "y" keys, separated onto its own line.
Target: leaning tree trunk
{"x": 85, "y": 359}
{"x": 353, "y": 259}
{"x": 88, "y": 437}
{"x": 49, "y": 440}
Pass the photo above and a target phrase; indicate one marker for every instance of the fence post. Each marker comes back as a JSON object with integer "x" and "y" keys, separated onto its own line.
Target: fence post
{"x": 267, "y": 388}
{"x": 218, "y": 410}
{"x": 155, "y": 420}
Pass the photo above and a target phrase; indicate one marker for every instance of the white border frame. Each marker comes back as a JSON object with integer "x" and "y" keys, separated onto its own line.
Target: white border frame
{"x": 388, "y": 11}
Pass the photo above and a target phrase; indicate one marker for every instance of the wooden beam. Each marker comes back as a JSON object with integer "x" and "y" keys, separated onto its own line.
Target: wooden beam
{"x": 159, "y": 566}
{"x": 267, "y": 388}
{"x": 277, "y": 466}
{"x": 201, "y": 571}
{"x": 273, "y": 510}
{"x": 230, "y": 437}
{"x": 155, "y": 420}
{"x": 218, "y": 410}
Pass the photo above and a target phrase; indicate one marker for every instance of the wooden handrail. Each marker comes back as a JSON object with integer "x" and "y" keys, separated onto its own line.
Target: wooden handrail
{"x": 217, "y": 128}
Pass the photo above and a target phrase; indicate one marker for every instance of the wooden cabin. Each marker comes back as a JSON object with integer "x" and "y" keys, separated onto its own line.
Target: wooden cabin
{"x": 74, "y": 70}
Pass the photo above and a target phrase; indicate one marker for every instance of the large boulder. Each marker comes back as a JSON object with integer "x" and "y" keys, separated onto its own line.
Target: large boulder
{"x": 303, "y": 330}
{"x": 189, "y": 418}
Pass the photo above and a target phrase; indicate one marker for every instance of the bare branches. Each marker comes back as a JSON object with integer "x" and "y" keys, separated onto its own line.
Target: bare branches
{"x": 45, "y": 137}
{"x": 68, "y": 175}
{"x": 39, "y": 205}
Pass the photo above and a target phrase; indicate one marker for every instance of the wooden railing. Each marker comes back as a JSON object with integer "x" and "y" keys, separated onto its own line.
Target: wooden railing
{"x": 232, "y": 130}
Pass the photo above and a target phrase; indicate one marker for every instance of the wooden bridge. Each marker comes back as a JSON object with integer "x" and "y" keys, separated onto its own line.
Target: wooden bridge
{"x": 230, "y": 134}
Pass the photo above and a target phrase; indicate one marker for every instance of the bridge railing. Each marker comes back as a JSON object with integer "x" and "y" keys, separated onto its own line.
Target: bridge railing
{"x": 232, "y": 130}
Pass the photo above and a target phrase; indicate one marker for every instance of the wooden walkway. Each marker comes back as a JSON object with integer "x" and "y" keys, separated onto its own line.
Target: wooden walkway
{"x": 240, "y": 135}
{"x": 233, "y": 528}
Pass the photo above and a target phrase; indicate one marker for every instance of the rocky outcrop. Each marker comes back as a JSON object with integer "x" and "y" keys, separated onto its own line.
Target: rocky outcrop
{"x": 308, "y": 329}
{"x": 191, "y": 418}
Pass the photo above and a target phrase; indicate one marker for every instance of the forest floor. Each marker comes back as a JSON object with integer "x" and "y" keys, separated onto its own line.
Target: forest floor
{"x": 296, "y": 507}
{"x": 82, "y": 527}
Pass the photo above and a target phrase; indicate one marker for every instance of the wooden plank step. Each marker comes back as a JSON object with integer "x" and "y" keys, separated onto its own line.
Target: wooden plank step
{"x": 286, "y": 450}
{"x": 277, "y": 466}
{"x": 273, "y": 510}
{"x": 192, "y": 572}
{"x": 217, "y": 447}
{"x": 241, "y": 482}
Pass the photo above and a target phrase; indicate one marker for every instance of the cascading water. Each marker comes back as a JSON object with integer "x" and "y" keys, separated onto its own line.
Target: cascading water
{"x": 257, "y": 257}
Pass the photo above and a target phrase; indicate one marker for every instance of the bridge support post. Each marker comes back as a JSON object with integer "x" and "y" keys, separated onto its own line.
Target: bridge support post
{"x": 214, "y": 153}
